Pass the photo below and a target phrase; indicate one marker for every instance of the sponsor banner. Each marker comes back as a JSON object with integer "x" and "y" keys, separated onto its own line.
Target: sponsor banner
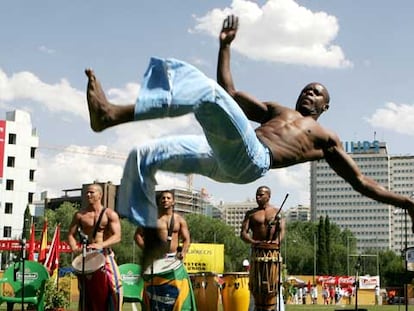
{"x": 202, "y": 257}
{"x": 2, "y": 144}
{"x": 365, "y": 282}
{"x": 342, "y": 281}
{"x": 369, "y": 282}
{"x": 14, "y": 245}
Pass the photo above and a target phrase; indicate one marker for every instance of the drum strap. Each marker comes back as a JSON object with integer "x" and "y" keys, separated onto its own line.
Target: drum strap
{"x": 95, "y": 230}
{"x": 170, "y": 230}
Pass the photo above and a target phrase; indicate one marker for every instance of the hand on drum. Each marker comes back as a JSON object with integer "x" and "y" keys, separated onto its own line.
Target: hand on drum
{"x": 266, "y": 242}
{"x": 179, "y": 256}
{"x": 94, "y": 246}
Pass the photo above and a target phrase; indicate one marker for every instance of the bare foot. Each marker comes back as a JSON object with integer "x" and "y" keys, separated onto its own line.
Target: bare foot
{"x": 99, "y": 107}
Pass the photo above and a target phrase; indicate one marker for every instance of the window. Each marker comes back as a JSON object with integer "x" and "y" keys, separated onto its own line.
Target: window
{"x": 8, "y": 208}
{"x": 31, "y": 175}
{"x": 30, "y": 197}
{"x": 12, "y": 139}
{"x": 32, "y": 152}
{"x": 11, "y": 161}
{"x": 9, "y": 184}
{"x": 7, "y": 232}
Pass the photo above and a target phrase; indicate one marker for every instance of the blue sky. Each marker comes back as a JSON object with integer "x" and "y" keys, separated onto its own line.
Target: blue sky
{"x": 361, "y": 50}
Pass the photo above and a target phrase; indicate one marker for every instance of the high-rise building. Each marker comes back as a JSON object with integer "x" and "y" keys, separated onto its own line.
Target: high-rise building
{"x": 233, "y": 213}
{"x": 298, "y": 213}
{"x": 18, "y": 164}
{"x": 374, "y": 224}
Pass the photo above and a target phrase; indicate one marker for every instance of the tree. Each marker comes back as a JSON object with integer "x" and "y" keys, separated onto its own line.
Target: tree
{"x": 127, "y": 251}
{"x": 26, "y": 223}
{"x": 322, "y": 260}
{"x": 327, "y": 229}
{"x": 63, "y": 216}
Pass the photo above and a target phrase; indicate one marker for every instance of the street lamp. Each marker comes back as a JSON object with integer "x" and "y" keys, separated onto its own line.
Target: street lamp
{"x": 347, "y": 252}
{"x": 314, "y": 257}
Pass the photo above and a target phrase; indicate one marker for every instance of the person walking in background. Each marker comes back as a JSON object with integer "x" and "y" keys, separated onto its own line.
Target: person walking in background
{"x": 314, "y": 294}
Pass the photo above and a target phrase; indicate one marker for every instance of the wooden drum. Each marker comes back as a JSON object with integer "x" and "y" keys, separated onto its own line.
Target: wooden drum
{"x": 264, "y": 275}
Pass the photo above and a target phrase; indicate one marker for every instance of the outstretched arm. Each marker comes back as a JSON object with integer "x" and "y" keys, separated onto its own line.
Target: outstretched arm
{"x": 253, "y": 109}
{"x": 346, "y": 167}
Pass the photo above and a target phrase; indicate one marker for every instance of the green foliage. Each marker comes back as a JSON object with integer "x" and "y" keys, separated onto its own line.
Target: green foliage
{"x": 26, "y": 223}
{"x": 127, "y": 251}
{"x": 55, "y": 297}
{"x": 62, "y": 215}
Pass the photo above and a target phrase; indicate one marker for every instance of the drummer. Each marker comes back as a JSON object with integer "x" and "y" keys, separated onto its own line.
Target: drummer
{"x": 172, "y": 228}
{"x": 262, "y": 224}
{"x": 98, "y": 228}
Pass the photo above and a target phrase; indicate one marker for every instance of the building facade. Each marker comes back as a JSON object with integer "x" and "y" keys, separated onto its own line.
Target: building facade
{"x": 298, "y": 213}
{"x": 374, "y": 224}
{"x": 232, "y": 213}
{"x": 18, "y": 164}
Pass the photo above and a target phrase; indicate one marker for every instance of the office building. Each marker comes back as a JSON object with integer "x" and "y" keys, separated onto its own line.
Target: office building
{"x": 374, "y": 224}
{"x": 18, "y": 164}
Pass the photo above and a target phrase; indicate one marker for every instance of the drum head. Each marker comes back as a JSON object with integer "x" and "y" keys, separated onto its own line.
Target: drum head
{"x": 266, "y": 246}
{"x": 163, "y": 265}
{"x": 236, "y": 274}
{"x": 93, "y": 261}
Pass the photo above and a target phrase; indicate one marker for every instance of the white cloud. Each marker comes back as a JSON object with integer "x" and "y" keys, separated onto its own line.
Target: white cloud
{"x": 280, "y": 31}
{"x": 58, "y": 97}
{"x": 45, "y": 49}
{"x": 395, "y": 117}
{"x": 72, "y": 166}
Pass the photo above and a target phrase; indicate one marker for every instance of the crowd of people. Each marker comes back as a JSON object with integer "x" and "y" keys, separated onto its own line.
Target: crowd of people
{"x": 330, "y": 294}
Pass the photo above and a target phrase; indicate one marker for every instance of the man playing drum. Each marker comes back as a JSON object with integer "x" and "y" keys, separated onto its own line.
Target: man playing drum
{"x": 264, "y": 230}
{"x": 172, "y": 227}
{"x": 167, "y": 285}
{"x": 98, "y": 228}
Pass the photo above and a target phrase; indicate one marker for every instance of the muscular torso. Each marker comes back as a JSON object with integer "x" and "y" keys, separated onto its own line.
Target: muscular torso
{"x": 163, "y": 224}
{"x": 87, "y": 220}
{"x": 291, "y": 137}
{"x": 259, "y": 220}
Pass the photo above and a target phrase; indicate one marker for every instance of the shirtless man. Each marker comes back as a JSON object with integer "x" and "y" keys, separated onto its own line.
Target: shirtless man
{"x": 100, "y": 237}
{"x": 259, "y": 224}
{"x": 230, "y": 150}
{"x": 179, "y": 231}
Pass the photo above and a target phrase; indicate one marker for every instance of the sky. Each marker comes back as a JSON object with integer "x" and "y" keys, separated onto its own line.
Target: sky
{"x": 362, "y": 51}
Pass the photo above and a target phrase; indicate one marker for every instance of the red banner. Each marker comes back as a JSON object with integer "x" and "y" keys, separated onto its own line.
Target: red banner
{"x": 336, "y": 280}
{"x": 14, "y": 245}
{"x": 2, "y": 143}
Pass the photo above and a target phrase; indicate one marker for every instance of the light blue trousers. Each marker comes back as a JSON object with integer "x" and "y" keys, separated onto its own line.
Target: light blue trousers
{"x": 229, "y": 150}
